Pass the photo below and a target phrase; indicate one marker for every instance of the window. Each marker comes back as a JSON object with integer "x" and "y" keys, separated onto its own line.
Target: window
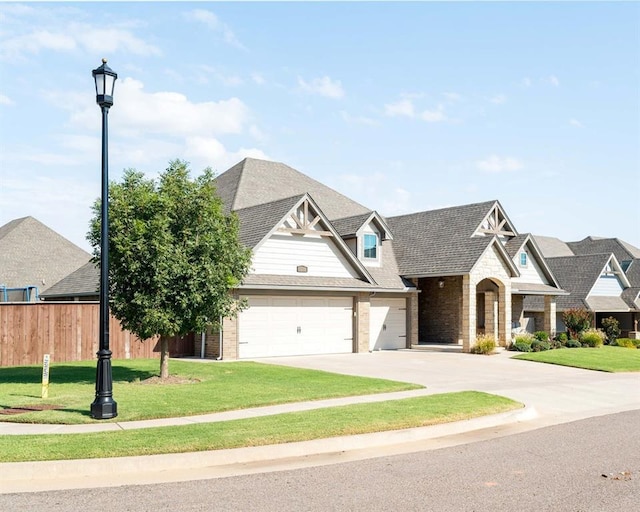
{"x": 523, "y": 259}
{"x": 370, "y": 246}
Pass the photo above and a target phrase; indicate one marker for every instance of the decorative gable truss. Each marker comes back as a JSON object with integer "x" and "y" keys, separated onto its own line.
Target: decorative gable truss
{"x": 611, "y": 281}
{"x": 496, "y": 223}
{"x": 304, "y": 243}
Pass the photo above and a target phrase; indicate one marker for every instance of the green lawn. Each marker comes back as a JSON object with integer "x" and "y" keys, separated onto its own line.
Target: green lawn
{"x": 605, "y": 359}
{"x": 216, "y": 387}
{"x": 281, "y": 428}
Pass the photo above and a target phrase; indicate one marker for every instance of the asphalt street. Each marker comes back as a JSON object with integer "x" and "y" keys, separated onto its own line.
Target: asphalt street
{"x": 591, "y": 465}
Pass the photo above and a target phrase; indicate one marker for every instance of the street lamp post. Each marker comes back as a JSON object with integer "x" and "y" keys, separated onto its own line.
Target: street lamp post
{"x": 104, "y": 407}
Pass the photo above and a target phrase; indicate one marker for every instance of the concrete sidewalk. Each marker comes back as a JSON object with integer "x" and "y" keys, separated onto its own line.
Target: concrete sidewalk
{"x": 551, "y": 394}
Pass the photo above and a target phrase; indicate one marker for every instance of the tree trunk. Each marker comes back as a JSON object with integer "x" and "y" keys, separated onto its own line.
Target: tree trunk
{"x": 164, "y": 357}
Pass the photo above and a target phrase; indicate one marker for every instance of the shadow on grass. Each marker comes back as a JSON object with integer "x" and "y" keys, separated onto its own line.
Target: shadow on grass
{"x": 63, "y": 374}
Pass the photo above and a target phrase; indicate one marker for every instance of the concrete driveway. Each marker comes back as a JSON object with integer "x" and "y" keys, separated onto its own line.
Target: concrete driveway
{"x": 558, "y": 393}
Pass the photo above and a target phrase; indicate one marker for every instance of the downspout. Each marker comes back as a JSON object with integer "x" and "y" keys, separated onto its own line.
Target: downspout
{"x": 202, "y": 345}
{"x": 220, "y": 336}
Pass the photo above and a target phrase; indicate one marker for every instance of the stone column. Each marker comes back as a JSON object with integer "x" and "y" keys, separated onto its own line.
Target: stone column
{"x": 491, "y": 314}
{"x": 468, "y": 313}
{"x": 230, "y": 338}
{"x": 550, "y": 314}
{"x": 362, "y": 311}
{"x": 412, "y": 330}
{"x": 504, "y": 314}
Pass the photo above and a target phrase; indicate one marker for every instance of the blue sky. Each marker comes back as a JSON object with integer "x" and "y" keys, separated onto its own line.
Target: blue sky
{"x": 401, "y": 106}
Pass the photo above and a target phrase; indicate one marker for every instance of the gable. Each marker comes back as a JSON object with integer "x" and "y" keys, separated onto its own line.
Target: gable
{"x": 530, "y": 269}
{"x": 609, "y": 282}
{"x": 304, "y": 244}
{"x": 496, "y": 223}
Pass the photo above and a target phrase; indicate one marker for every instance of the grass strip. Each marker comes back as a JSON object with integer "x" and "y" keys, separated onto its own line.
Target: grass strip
{"x": 208, "y": 388}
{"x": 281, "y": 428}
{"x": 604, "y": 359}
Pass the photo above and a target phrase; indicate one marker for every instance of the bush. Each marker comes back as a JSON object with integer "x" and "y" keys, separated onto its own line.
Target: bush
{"x": 524, "y": 337}
{"x": 541, "y": 335}
{"x": 540, "y": 346}
{"x": 573, "y": 344}
{"x": 592, "y": 338}
{"x": 562, "y": 337}
{"x": 626, "y": 343}
{"x": 520, "y": 346}
{"x": 611, "y": 328}
{"x": 557, "y": 344}
{"x": 577, "y": 320}
{"x": 484, "y": 345}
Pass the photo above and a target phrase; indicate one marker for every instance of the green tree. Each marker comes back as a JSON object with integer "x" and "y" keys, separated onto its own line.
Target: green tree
{"x": 611, "y": 328}
{"x": 577, "y": 320}
{"x": 174, "y": 255}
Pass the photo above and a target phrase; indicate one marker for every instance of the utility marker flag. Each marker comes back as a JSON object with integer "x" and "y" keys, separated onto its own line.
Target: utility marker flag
{"x": 45, "y": 376}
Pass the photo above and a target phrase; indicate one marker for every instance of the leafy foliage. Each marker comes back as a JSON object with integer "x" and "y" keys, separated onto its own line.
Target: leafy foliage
{"x": 174, "y": 254}
{"x": 592, "y": 338}
{"x": 540, "y": 346}
{"x": 611, "y": 328}
{"x": 541, "y": 335}
{"x": 577, "y": 320}
{"x": 484, "y": 345}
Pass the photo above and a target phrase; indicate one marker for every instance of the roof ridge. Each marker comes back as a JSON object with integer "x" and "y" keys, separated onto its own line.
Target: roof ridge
{"x": 494, "y": 201}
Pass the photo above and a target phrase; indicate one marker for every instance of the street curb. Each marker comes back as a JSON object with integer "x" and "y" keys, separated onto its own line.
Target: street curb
{"x": 22, "y": 472}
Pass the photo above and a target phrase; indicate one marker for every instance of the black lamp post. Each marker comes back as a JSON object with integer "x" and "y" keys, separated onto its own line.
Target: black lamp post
{"x": 104, "y": 407}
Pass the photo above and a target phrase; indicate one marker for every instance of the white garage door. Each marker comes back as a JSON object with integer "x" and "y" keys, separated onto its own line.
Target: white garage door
{"x": 291, "y": 326}
{"x": 388, "y": 324}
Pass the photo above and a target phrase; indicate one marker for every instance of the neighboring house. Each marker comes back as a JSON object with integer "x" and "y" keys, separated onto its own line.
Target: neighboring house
{"x": 33, "y": 257}
{"x": 473, "y": 270}
{"x": 81, "y": 285}
{"x": 601, "y": 275}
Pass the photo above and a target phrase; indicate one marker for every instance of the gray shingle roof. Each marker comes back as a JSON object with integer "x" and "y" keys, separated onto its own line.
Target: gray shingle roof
{"x": 348, "y": 226}
{"x": 592, "y": 245}
{"x": 440, "y": 242}
{"x": 513, "y": 245}
{"x": 256, "y": 221}
{"x": 630, "y": 295}
{"x": 252, "y": 182}
{"x": 84, "y": 282}
{"x": 33, "y": 254}
{"x": 552, "y": 247}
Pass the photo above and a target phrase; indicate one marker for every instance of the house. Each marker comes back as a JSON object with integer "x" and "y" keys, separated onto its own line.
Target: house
{"x": 324, "y": 277}
{"x": 601, "y": 275}
{"x": 32, "y": 258}
{"x": 82, "y": 284}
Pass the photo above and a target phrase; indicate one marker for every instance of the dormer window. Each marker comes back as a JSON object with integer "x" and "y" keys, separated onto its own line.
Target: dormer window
{"x": 523, "y": 259}
{"x": 370, "y": 246}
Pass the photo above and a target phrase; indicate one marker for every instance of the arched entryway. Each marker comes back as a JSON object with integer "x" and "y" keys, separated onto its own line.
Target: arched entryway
{"x": 488, "y": 308}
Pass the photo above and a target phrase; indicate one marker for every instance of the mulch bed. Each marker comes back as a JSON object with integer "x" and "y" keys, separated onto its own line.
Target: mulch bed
{"x": 28, "y": 408}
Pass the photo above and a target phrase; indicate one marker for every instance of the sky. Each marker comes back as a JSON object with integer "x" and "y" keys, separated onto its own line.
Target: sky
{"x": 403, "y": 107}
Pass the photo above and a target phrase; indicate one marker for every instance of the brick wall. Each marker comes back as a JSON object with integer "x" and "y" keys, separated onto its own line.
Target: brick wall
{"x": 439, "y": 310}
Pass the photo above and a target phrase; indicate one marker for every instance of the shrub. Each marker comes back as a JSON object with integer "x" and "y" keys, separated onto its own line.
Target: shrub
{"x": 541, "y": 335}
{"x": 573, "y": 344}
{"x": 592, "y": 338}
{"x": 577, "y": 320}
{"x": 562, "y": 337}
{"x": 626, "y": 343}
{"x": 484, "y": 345}
{"x": 557, "y": 344}
{"x": 524, "y": 337}
{"x": 520, "y": 346}
{"x": 611, "y": 328}
{"x": 540, "y": 346}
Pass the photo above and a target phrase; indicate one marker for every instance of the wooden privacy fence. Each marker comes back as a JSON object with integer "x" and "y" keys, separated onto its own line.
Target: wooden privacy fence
{"x": 70, "y": 332}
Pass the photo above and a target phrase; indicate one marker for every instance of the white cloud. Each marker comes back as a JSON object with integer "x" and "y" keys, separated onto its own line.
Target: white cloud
{"x": 434, "y": 116}
{"x": 553, "y": 80}
{"x": 324, "y": 86}
{"x": 214, "y": 24}
{"x": 377, "y": 190}
{"x": 496, "y": 164}
{"x": 168, "y": 113}
{"x": 526, "y": 82}
{"x": 498, "y": 99}
{"x": 403, "y": 107}
{"x": 576, "y": 123}
{"x": 5, "y": 100}
{"x": 73, "y": 37}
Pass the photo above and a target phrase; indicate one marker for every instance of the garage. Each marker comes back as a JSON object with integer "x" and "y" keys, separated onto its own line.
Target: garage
{"x": 388, "y": 324}
{"x": 290, "y": 326}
